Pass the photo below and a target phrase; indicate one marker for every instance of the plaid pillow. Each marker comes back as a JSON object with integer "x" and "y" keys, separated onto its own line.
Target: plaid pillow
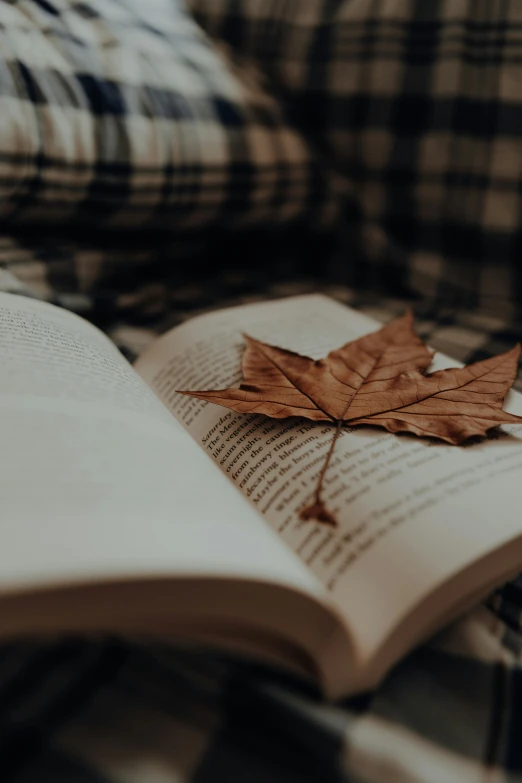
{"x": 419, "y": 105}
{"x": 110, "y": 119}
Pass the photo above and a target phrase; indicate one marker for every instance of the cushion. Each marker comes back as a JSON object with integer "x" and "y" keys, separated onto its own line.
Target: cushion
{"x": 419, "y": 106}
{"x": 112, "y": 117}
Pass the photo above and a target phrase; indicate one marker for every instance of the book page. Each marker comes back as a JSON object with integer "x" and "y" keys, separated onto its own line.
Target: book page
{"x": 97, "y": 479}
{"x": 411, "y": 511}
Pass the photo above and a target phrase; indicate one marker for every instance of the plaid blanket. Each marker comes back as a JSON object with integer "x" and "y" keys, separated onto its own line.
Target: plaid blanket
{"x": 129, "y": 711}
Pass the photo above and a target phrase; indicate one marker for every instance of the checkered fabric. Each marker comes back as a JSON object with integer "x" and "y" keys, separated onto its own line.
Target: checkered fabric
{"x": 109, "y": 117}
{"x": 126, "y": 711}
{"x": 418, "y": 105}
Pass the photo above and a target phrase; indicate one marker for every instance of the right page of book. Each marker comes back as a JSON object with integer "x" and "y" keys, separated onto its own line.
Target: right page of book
{"x": 411, "y": 512}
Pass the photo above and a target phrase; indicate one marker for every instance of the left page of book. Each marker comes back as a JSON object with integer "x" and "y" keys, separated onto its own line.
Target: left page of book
{"x": 97, "y": 479}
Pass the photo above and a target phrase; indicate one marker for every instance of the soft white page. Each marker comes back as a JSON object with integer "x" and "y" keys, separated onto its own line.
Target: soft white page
{"x": 97, "y": 480}
{"x": 411, "y": 512}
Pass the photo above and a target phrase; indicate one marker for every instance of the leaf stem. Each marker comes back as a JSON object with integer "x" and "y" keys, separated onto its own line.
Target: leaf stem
{"x": 319, "y": 487}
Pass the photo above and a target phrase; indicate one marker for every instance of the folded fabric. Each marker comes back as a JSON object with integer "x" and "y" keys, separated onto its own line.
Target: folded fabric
{"x": 419, "y": 106}
{"x": 110, "y": 119}
{"x": 135, "y": 288}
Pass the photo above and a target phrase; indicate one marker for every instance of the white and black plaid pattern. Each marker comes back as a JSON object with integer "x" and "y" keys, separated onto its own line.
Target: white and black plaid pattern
{"x": 107, "y": 119}
{"x": 418, "y": 105}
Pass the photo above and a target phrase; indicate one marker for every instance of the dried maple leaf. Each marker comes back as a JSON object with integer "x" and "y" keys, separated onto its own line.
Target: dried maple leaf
{"x": 378, "y": 379}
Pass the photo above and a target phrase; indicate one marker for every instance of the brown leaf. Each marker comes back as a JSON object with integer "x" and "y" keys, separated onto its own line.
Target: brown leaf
{"x": 452, "y": 405}
{"x": 377, "y": 379}
{"x": 280, "y": 383}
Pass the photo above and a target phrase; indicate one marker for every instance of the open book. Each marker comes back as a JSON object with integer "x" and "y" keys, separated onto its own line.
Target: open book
{"x": 127, "y": 507}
